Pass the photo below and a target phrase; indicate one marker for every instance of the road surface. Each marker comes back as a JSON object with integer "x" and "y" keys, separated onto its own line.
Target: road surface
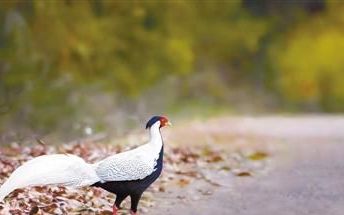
{"x": 305, "y": 173}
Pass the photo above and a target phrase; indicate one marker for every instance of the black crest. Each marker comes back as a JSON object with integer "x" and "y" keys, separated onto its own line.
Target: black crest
{"x": 153, "y": 120}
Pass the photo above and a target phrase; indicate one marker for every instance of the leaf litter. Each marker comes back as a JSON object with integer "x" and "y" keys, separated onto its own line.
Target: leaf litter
{"x": 182, "y": 166}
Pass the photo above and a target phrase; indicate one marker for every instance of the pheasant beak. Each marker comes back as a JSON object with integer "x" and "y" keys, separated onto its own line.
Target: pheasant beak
{"x": 168, "y": 123}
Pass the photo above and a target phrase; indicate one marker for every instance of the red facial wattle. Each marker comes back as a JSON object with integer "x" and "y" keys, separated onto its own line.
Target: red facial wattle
{"x": 164, "y": 122}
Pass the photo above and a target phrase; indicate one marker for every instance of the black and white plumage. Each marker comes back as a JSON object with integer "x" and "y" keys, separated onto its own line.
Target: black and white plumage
{"x": 125, "y": 174}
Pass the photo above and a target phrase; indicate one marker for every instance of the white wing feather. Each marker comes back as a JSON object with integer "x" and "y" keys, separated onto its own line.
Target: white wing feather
{"x": 60, "y": 169}
{"x": 126, "y": 166}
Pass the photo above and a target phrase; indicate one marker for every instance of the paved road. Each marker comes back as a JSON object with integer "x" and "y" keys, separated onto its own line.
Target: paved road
{"x": 305, "y": 176}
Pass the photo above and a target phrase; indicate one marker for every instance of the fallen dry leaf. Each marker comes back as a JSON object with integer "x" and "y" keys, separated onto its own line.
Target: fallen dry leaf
{"x": 183, "y": 182}
{"x": 244, "y": 174}
{"x": 258, "y": 156}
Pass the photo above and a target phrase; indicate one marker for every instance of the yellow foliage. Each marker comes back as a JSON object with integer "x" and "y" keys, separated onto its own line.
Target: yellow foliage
{"x": 181, "y": 54}
{"x": 310, "y": 62}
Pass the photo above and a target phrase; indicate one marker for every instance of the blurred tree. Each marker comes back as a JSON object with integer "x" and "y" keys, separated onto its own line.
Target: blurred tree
{"x": 55, "y": 54}
{"x": 309, "y": 62}
{"x": 54, "y": 48}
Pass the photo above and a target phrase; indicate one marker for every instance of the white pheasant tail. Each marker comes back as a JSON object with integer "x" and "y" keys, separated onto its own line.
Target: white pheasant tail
{"x": 59, "y": 169}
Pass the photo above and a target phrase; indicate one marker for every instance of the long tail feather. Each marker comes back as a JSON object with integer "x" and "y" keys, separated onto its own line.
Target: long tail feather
{"x": 59, "y": 169}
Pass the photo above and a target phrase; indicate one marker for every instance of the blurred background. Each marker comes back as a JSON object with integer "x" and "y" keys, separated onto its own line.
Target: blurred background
{"x": 73, "y": 68}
